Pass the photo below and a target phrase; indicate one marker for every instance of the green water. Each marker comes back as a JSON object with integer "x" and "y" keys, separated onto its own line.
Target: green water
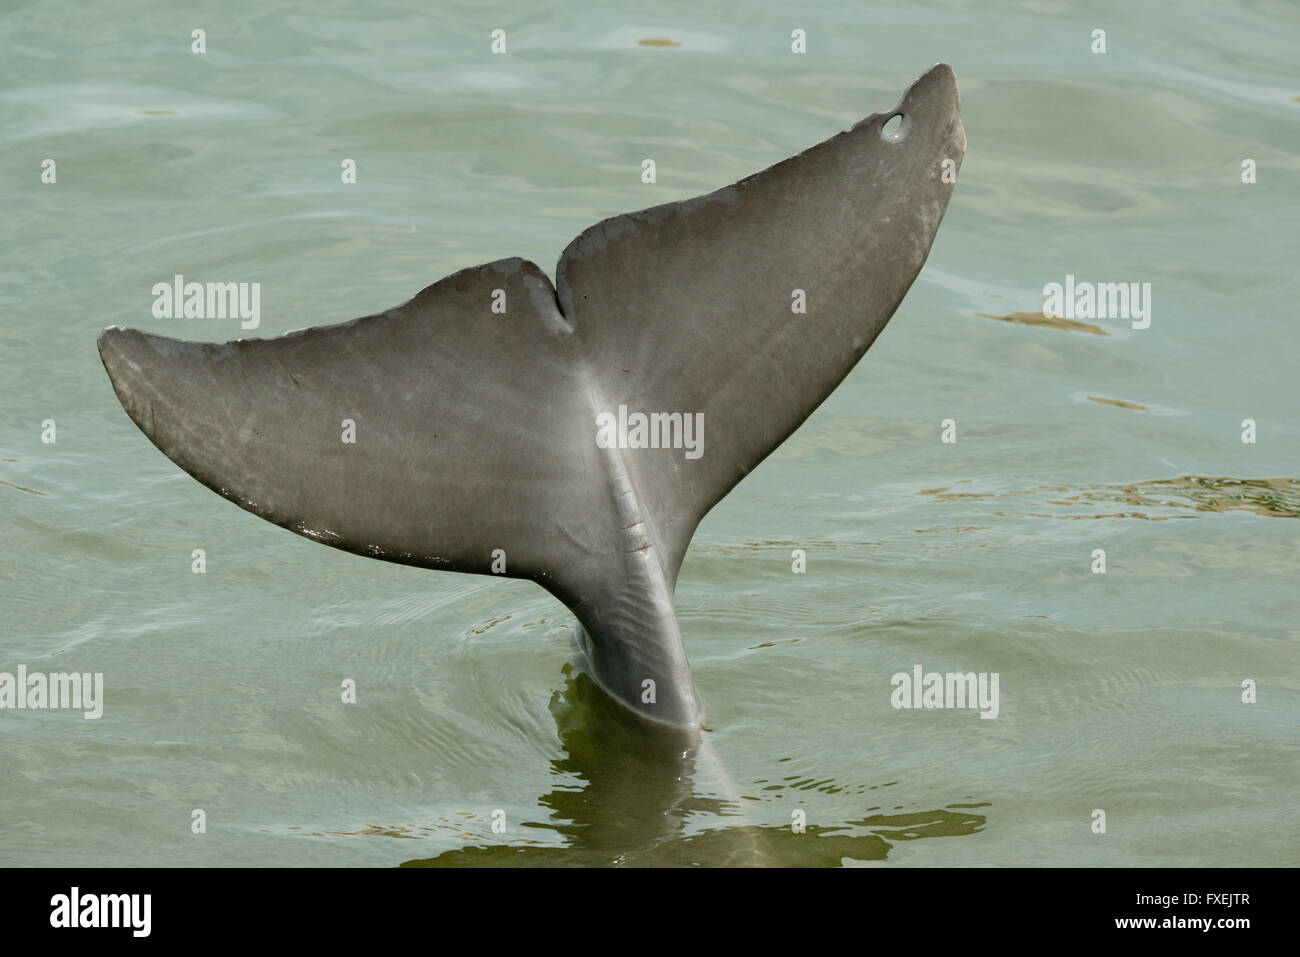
{"x": 1119, "y": 691}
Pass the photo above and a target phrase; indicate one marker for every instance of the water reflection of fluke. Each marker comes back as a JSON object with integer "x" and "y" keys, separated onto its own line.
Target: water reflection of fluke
{"x": 953, "y": 821}
{"x": 633, "y": 791}
{"x": 748, "y": 846}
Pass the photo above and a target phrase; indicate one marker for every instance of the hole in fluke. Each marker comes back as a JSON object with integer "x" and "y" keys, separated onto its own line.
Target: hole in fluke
{"x": 892, "y": 129}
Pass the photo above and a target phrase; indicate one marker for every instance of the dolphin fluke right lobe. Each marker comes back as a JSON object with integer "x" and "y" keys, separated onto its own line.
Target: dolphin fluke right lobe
{"x": 475, "y": 431}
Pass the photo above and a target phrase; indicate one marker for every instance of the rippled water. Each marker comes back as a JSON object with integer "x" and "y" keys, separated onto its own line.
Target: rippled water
{"x": 1119, "y": 691}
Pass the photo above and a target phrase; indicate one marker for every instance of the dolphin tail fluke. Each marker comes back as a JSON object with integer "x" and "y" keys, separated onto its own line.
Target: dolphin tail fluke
{"x": 575, "y": 438}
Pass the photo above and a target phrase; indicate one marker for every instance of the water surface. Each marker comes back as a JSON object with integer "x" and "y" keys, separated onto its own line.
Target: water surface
{"x": 1119, "y": 691}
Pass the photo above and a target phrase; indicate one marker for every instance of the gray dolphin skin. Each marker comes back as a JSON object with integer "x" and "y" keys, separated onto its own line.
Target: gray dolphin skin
{"x": 477, "y": 431}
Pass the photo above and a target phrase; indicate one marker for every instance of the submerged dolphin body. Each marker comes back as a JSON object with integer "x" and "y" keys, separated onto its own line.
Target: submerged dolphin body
{"x": 476, "y": 431}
